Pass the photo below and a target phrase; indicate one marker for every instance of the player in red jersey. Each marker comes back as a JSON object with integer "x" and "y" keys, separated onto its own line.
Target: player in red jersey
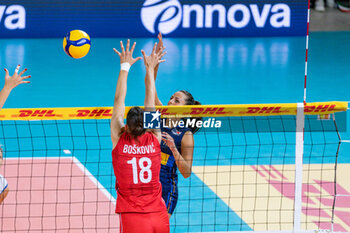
{"x": 136, "y": 154}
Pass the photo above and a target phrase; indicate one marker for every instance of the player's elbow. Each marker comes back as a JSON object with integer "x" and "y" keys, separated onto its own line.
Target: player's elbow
{"x": 118, "y": 100}
{"x": 186, "y": 174}
{"x": 6, "y": 191}
{"x": 3, "y": 195}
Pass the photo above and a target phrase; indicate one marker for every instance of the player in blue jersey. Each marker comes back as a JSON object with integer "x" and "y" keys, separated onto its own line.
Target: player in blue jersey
{"x": 176, "y": 146}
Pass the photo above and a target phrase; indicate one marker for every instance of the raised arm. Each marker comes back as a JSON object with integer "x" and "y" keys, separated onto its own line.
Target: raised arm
{"x": 126, "y": 61}
{"x": 158, "y": 48}
{"x": 11, "y": 82}
{"x": 151, "y": 62}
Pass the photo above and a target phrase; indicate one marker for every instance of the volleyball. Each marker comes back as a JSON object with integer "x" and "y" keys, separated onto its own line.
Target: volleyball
{"x": 77, "y": 44}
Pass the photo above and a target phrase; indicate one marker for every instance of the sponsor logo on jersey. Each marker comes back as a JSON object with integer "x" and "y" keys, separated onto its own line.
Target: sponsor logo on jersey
{"x": 175, "y": 131}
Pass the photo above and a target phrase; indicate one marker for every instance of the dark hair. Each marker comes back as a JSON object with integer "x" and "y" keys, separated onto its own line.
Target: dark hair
{"x": 191, "y": 101}
{"x": 134, "y": 121}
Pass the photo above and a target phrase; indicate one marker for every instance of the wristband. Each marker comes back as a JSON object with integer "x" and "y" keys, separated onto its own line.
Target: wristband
{"x": 125, "y": 66}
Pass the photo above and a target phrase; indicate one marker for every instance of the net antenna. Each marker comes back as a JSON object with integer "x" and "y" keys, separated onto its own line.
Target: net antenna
{"x": 307, "y": 49}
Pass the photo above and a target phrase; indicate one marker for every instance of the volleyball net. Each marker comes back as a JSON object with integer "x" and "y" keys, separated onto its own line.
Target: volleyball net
{"x": 256, "y": 167}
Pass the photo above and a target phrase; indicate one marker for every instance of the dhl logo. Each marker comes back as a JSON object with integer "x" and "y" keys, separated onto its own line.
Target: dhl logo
{"x": 257, "y": 110}
{"x": 92, "y": 113}
{"x": 280, "y": 109}
{"x": 36, "y": 113}
{"x": 197, "y": 111}
{"x": 320, "y": 108}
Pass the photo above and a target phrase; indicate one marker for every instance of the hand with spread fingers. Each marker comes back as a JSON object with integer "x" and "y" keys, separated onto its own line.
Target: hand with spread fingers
{"x": 12, "y": 82}
{"x": 126, "y": 54}
{"x": 154, "y": 58}
{"x": 16, "y": 79}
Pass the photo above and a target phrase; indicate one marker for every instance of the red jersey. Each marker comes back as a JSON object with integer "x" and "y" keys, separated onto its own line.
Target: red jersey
{"x": 137, "y": 167}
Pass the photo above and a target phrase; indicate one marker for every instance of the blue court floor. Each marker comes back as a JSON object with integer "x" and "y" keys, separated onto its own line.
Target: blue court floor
{"x": 216, "y": 71}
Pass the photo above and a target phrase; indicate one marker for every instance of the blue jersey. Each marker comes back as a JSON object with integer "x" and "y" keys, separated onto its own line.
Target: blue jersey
{"x": 168, "y": 171}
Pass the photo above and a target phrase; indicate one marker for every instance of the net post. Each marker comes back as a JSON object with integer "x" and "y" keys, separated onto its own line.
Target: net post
{"x": 299, "y": 151}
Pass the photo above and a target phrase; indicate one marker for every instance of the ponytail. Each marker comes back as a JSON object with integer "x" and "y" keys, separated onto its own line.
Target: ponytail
{"x": 191, "y": 101}
{"x": 196, "y": 103}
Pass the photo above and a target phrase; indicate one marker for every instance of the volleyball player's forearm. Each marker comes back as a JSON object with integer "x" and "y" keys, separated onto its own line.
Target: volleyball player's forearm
{"x": 157, "y": 101}
{"x": 182, "y": 164}
{"x": 150, "y": 88}
{"x": 5, "y": 92}
{"x": 155, "y": 72}
{"x": 120, "y": 91}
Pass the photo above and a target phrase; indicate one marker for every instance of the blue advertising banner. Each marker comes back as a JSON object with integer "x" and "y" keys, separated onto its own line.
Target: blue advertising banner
{"x": 145, "y": 18}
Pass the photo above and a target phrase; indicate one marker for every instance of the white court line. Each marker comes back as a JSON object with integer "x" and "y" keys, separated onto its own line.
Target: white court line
{"x": 82, "y": 168}
{"x": 67, "y": 152}
{"x": 94, "y": 180}
{"x": 345, "y": 141}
